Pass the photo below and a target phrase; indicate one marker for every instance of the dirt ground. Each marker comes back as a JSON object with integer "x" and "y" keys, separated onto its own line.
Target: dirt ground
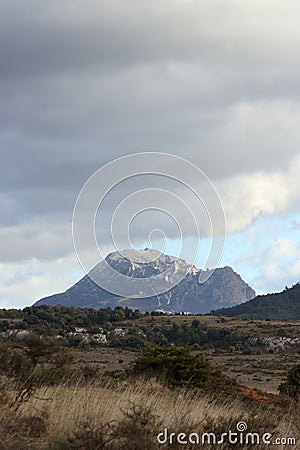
{"x": 264, "y": 371}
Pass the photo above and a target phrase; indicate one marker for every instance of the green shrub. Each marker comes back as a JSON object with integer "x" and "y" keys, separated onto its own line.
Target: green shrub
{"x": 176, "y": 366}
{"x": 291, "y": 386}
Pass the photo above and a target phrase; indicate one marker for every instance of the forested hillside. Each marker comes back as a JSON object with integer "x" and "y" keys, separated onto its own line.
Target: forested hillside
{"x": 283, "y": 305}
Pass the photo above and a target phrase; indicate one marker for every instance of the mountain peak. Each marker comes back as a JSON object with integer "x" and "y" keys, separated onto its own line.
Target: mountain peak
{"x": 139, "y": 256}
{"x": 223, "y": 288}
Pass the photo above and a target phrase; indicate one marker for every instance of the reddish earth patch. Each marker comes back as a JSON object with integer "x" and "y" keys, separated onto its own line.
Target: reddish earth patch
{"x": 257, "y": 395}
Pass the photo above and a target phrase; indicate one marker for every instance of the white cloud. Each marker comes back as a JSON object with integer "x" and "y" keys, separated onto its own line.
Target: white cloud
{"x": 295, "y": 269}
{"x": 85, "y": 82}
{"x": 279, "y": 266}
{"x": 247, "y": 197}
{"x": 22, "y": 285}
{"x": 42, "y": 240}
{"x": 284, "y": 248}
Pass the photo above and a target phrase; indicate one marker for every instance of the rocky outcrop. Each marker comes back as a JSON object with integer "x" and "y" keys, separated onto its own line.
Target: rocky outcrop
{"x": 224, "y": 288}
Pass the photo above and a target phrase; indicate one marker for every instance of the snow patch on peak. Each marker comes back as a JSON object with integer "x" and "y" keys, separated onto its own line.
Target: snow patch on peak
{"x": 145, "y": 256}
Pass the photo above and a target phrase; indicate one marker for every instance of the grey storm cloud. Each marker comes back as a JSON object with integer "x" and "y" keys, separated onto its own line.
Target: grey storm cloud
{"x": 84, "y": 82}
{"x": 42, "y": 38}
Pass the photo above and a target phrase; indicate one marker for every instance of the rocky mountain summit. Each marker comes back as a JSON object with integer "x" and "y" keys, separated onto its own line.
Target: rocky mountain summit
{"x": 176, "y": 285}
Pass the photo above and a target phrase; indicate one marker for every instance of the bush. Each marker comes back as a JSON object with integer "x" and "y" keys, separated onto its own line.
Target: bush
{"x": 175, "y": 366}
{"x": 137, "y": 429}
{"x": 291, "y": 386}
{"x": 86, "y": 436}
{"x": 32, "y": 362}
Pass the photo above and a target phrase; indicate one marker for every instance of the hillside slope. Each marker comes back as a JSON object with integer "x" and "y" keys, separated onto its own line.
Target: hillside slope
{"x": 283, "y": 305}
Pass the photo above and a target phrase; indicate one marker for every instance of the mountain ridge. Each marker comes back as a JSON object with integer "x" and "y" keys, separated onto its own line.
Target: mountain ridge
{"x": 223, "y": 288}
{"x": 284, "y": 305}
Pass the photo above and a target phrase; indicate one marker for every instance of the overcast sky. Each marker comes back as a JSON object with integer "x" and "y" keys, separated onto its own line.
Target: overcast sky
{"x": 85, "y": 82}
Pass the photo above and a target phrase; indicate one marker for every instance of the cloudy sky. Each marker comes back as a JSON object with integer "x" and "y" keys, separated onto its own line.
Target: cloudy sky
{"x": 85, "y": 82}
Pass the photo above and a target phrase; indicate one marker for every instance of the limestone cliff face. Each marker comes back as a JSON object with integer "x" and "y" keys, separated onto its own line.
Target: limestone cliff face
{"x": 224, "y": 288}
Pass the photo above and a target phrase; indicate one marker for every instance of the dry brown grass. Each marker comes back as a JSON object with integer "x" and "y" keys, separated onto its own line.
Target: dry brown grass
{"x": 108, "y": 402}
{"x": 77, "y": 417}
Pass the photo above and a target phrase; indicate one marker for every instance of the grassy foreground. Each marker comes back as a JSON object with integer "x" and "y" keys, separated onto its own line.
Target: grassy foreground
{"x": 121, "y": 415}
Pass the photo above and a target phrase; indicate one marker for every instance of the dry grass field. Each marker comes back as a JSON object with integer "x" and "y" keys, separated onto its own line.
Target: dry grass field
{"x": 246, "y": 326}
{"x": 129, "y": 415}
{"x": 107, "y": 408}
{"x": 262, "y": 370}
